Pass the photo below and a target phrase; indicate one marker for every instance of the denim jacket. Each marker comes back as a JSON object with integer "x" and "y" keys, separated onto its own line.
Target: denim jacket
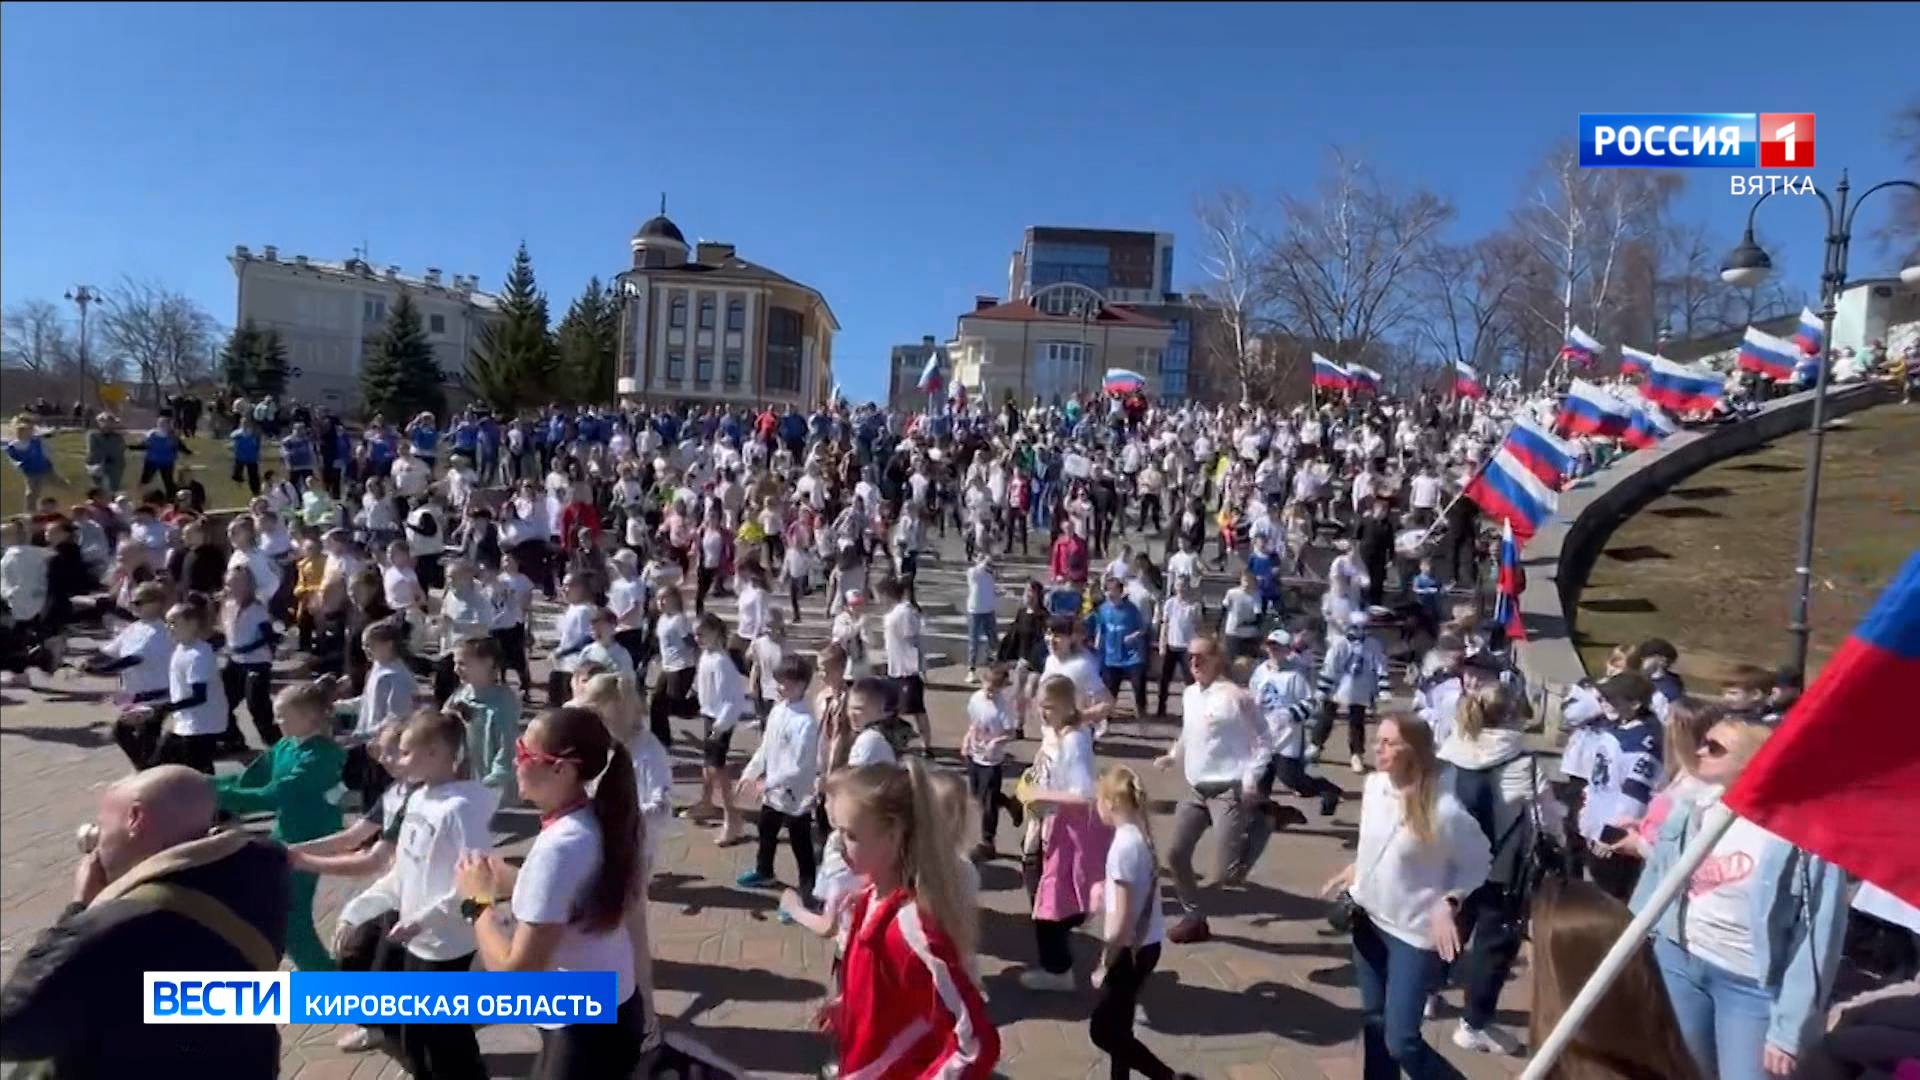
{"x": 1799, "y": 919}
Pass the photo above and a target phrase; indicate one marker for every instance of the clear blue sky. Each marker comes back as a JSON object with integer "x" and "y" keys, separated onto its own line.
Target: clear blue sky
{"x": 888, "y": 156}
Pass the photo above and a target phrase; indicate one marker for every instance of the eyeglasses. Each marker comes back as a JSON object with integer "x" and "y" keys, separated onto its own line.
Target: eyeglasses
{"x": 522, "y": 754}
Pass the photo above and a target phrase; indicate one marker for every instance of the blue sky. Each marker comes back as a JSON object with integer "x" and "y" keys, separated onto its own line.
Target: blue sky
{"x": 888, "y": 156}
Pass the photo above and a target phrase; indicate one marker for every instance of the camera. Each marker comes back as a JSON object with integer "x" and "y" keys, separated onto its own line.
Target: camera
{"x": 87, "y": 838}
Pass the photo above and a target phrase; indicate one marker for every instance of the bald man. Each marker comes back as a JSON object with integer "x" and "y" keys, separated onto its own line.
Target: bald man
{"x": 161, "y": 890}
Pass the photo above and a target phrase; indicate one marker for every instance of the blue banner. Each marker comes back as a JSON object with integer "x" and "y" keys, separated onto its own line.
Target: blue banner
{"x": 453, "y": 997}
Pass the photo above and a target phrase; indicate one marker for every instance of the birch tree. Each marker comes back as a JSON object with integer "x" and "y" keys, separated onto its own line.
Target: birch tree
{"x": 1231, "y": 254}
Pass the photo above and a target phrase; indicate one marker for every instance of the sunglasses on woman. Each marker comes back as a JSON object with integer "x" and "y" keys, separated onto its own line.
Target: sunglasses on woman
{"x": 1713, "y": 748}
{"x": 523, "y": 754}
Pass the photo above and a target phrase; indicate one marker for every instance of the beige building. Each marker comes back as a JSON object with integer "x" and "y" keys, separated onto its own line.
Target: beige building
{"x": 706, "y": 326}
{"x": 1057, "y": 342}
{"x": 327, "y": 313}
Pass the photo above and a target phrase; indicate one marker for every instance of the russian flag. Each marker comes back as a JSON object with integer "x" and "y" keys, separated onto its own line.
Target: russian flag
{"x": 1122, "y": 381}
{"x": 1589, "y": 410}
{"x": 1682, "y": 389}
{"x": 1839, "y": 777}
{"x": 1580, "y": 349}
{"x": 1512, "y": 582}
{"x": 1328, "y": 375}
{"x": 1811, "y": 333}
{"x": 1364, "y": 379}
{"x": 1648, "y": 426}
{"x": 1635, "y": 362}
{"x": 1466, "y": 382}
{"x": 1546, "y": 457}
{"x": 1766, "y": 355}
{"x": 1508, "y": 492}
{"x": 930, "y": 379}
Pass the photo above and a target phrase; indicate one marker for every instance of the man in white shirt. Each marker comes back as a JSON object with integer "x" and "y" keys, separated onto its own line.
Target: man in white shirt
{"x": 1224, "y": 749}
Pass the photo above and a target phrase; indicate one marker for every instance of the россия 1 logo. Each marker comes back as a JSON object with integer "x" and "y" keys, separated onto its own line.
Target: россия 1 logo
{"x": 1704, "y": 141}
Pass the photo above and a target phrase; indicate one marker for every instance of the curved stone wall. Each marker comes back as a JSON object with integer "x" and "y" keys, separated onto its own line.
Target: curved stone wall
{"x": 1562, "y": 552}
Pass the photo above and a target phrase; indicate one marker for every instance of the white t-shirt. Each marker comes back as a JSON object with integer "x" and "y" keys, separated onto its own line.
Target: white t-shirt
{"x": 988, "y": 718}
{"x": 677, "y": 649}
{"x": 979, "y": 590}
{"x": 611, "y": 655}
{"x": 765, "y": 653}
{"x": 1719, "y": 914}
{"x": 1070, "y": 767}
{"x": 1084, "y": 670}
{"x": 574, "y": 628}
{"x": 194, "y": 663}
{"x": 870, "y": 747}
{"x": 512, "y": 595}
{"x": 1424, "y": 492}
{"x": 149, "y": 641}
{"x": 244, "y": 627}
{"x": 901, "y": 632}
{"x": 752, "y": 610}
{"x": 1243, "y": 613}
{"x": 402, "y": 587}
{"x": 552, "y": 887}
{"x": 1182, "y": 619}
{"x": 623, "y": 599}
{"x": 1130, "y": 863}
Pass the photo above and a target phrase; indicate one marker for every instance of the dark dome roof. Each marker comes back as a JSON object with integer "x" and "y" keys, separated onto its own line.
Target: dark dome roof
{"x": 659, "y": 228}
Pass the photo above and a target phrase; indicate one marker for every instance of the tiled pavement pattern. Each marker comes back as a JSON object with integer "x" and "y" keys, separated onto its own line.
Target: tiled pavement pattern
{"x": 1271, "y": 995}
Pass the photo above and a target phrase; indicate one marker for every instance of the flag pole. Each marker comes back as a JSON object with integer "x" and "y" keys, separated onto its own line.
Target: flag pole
{"x": 1718, "y": 819}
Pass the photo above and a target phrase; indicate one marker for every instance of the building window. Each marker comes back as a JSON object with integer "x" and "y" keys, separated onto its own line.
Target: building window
{"x": 1065, "y": 352}
{"x": 730, "y": 372}
{"x": 437, "y": 323}
{"x": 676, "y": 365}
{"x": 784, "y": 335}
{"x": 373, "y": 309}
{"x": 702, "y": 365}
{"x": 736, "y": 315}
{"x": 677, "y": 314}
{"x": 706, "y": 313}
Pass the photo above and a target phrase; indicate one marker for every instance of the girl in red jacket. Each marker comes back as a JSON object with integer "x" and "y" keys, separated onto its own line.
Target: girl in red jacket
{"x": 908, "y": 1006}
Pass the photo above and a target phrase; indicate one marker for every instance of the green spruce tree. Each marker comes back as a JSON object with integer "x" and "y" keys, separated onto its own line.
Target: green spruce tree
{"x": 240, "y": 358}
{"x": 401, "y": 377}
{"x": 589, "y": 344}
{"x": 515, "y": 362}
{"x": 271, "y": 373}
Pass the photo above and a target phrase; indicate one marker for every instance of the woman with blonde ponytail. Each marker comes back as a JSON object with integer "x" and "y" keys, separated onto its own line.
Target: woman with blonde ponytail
{"x": 1420, "y": 854}
{"x": 908, "y": 1004}
{"x": 1135, "y": 924}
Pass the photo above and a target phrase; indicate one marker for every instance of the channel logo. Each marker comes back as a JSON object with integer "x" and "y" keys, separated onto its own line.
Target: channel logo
{"x": 1696, "y": 140}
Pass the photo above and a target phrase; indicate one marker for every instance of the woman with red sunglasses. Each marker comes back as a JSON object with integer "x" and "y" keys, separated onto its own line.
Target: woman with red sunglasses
{"x": 570, "y": 898}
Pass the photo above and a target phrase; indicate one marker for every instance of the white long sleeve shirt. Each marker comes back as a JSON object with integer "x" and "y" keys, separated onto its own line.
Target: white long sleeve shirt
{"x": 1285, "y": 696}
{"x": 575, "y": 630}
{"x": 1397, "y": 879}
{"x": 721, "y": 691}
{"x": 1222, "y": 739}
{"x": 788, "y": 758}
{"x": 653, "y": 779}
{"x": 1352, "y": 670}
{"x": 442, "y": 822}
{"x": 148, "y": 640}
{"x": 388, "y": 693}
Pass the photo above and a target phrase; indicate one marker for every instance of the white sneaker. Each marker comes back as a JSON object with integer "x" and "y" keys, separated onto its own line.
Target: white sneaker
{"x": 1357, "y": 764}
{"x": 360, "y": 1040}
{"x": 1313, "y": 753}
{"x": 971, "y": 677}
{"x": 1046, "y": 982}
{"x": 1489, "y": 1041}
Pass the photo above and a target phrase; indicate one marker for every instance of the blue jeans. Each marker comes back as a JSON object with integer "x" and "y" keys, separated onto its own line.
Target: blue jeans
{"x": 1043, "y": 505}
{"x": 1394, "y": 978}
{"x": 979, "y": 639}
{"x": 1722, "y": 1016}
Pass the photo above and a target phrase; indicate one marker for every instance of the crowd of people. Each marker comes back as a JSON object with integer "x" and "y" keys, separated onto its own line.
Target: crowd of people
{"x": 374, "y": 610}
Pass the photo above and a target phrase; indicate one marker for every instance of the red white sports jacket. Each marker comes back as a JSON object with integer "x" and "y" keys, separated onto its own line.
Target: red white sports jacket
{"x": 908, "y": 1007}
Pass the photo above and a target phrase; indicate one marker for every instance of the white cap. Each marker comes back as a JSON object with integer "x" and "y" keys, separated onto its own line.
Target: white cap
{"x": 1358, "y": 618}
{"x": 1280, "y": 637}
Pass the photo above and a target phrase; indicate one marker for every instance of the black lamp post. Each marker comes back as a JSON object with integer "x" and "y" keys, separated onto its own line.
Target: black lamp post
{"x": 1747, "y": 266}
{"x": 83, "y": 296}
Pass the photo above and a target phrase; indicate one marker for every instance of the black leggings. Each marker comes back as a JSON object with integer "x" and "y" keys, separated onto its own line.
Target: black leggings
{"x": 1356, "y": 727}
{"x": 798, "y": 838}
{"x": 704, "y": 579}
{"x": 139, "y": 739}
{"x": 193, "y": 751}
{"x": 592, "y": 1051}
{"x": 1137, "y": 675}
{"x": 513, "y": 655}
{"x": 1053, "y": 940}
{"x": 672, "y": 697}
{"x": 254, "y": 682}
{"x": 1171, "y": 660}
{"x": 1112, "y": 1023}
{"x": 439, "y": 1051}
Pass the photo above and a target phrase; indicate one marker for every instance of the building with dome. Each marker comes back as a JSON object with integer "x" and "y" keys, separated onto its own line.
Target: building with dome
{"x": 701, "y": 325}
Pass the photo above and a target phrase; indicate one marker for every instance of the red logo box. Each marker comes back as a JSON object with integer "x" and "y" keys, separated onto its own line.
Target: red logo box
{"x": 1786, "y": 140}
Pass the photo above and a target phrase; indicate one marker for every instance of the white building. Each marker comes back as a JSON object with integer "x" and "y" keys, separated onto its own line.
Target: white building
{"x": 328, "y": 313}
{"x": 1058, "y": 342}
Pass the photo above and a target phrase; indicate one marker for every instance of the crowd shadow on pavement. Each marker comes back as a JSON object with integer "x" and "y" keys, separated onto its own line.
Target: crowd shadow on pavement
{"x": 91, "y": 737}
{"x": 1175, "y": 1007}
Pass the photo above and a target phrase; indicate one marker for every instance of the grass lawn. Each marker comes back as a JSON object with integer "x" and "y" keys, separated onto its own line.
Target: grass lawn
{"x": 1709, "y": 565}
{"x": 211, "y": 462}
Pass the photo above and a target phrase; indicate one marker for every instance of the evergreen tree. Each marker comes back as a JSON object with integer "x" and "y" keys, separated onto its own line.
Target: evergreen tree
{"x": 400, "y": 376}
{"x": 240, "y": 357}
{"x": 271, "y": 372}
{"x": 589, "y": 344}
{"x": 515, "y": 362}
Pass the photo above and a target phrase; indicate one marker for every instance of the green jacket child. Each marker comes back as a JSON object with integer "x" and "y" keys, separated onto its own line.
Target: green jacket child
{"x": 293, "y": 780}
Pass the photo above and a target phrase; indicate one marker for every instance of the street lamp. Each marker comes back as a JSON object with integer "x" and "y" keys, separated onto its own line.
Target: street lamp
{"x": 83, "y": 296}
{"x": 1747, "y": 266}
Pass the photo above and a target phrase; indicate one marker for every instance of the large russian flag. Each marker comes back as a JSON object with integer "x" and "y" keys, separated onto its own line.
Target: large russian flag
{"x": 1766, "y": 355}
{"x": 1466, "y": 381}
{"x": 1635, "y": 362}
{"x": 1811, "y": 333}
{"x": 1580, "y": 349}
{"x": 1550, "y": 459}
{"x": 1842, "y": 775}
{"x": 1328, "y": 375}
{"x": 1589, "y": 410}
{"x": 1364, "y": 379}
{"x": 1681, "y": 388}
{"x": 1647, "y": 427}
{"x": 930, "y": 379}
{"x": 1508, "y": 492}
{"x": 1507, "y": 589}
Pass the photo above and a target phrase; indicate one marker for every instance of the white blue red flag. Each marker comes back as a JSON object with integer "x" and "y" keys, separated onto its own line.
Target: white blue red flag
{"x": 1122, "y": 381}
{"x": 1507, "y": 589}
{"x": 1466, "y": 381}
{"x": 930, "y": 376}
{"x": 1589, "y": 410}
{"x": 1363, "y": 379}
{"x": 1682, "y": 388}
{"x": 1839, "y": 777}
{"x": 1767, "y": 355}
{"x": 1635, "y": 362}
{"x": 1328, "y": 375}
{"x": 1647, "y": 427}
{"x": 1811, "y": 333}
{"x": 1508, "y": 491}
{"x": 1580, "y": 349}
{"x": 1552, "y": 460}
